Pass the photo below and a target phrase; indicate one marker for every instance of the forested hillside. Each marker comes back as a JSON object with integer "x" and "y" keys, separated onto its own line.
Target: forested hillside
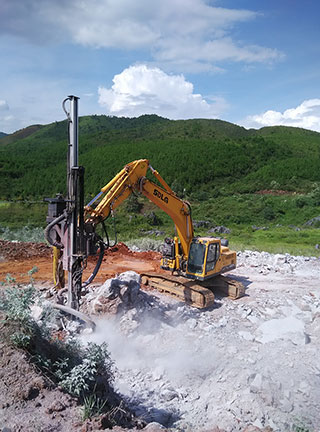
{"x": 18, "y": 135}
{"x": 198, "y": 158}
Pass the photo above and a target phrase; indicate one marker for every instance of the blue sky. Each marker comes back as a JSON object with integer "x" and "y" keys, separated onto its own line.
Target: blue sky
{"x": 253, "y": 63}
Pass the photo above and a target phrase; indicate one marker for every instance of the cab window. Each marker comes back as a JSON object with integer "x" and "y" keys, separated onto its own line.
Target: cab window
{"x": 212, "y": 256}
{"x": 196, "y": 257}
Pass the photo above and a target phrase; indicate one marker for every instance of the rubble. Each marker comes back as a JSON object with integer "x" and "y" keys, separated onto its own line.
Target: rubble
{"x": 266, "y": 263}
{"x": 235, "y": 365}
{"x": 119, "y": 292}
{"x": 220, "y": 229}
{"x": 313, "y": 222}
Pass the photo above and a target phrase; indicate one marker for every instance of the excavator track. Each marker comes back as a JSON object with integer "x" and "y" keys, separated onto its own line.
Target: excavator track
{"x": 226, "y": 285}
{"x": 195, "y": 293}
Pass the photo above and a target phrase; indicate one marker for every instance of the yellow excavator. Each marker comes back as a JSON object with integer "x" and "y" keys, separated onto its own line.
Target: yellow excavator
{"x": 194, "y": 264}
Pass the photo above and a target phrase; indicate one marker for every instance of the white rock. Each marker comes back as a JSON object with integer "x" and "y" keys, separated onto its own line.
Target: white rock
{"x": 168, "y": 395}
{"x": 222, "y": 322}
{"x": 246, "y": 335}
{"x": 36, "y": 312}
{"x": 253, "y": 319}
{"x": 304, "y": 388}
{"x": 257, "y": 423}
{"x": 153, "y": 426}
{"x": 157, "y": 374}
{"x": 256, "y": 384}
{"x": 192, "y": 323}
{"x": 284, "y": 328}
{"x": 286, "y": 405}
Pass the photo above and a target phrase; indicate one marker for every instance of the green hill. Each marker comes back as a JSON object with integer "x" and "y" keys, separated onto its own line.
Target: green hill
{"x": 198, "y": 157}
{"x": 2, "y": 134}
{"x": 232, "y": 176}
{"x": 18, "y": 135}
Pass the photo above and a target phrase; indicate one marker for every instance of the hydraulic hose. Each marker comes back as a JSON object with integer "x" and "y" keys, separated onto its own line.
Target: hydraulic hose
{"x": 52, "y": 242}
{"x": 97, "y": 267}
{"x": 75, "y": 313}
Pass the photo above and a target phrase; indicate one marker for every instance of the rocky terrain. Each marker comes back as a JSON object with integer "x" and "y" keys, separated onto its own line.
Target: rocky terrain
{"x": 249, "y": 361}
{"x": 253, "y": 361}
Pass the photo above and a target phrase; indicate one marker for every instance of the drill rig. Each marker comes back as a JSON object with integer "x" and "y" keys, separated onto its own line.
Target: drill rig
{"x": 194, "y": 264}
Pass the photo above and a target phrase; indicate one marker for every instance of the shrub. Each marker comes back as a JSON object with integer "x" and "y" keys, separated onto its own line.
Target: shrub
{"x": 301, "y": 201}
{"x": 82, "y": 378}
{"x": 80, "y": 371}
{"x": 315, "y": 196}
{"x": 268, "y": 213}
{"x": 16, "y": 304}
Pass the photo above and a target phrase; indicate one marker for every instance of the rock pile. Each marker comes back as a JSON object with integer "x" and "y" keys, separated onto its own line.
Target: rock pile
{"x": 265, "y": 262}
{"x": 250, "y": 361}
{"x": 115, "y": 294}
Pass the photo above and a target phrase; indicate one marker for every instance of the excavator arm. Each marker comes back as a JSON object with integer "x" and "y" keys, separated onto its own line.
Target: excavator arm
{"x": 133, "y": 178}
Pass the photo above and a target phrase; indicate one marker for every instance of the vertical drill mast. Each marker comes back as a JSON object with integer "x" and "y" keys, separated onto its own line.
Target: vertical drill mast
{"x": 66, "y": 232}
{"x": 74, "y": 272}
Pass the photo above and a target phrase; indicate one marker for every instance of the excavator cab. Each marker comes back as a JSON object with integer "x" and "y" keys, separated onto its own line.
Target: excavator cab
{"x": 205, "y": 259}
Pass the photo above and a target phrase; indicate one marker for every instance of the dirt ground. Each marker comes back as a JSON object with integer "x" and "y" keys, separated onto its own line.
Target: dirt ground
{"x": 18, "y": 258}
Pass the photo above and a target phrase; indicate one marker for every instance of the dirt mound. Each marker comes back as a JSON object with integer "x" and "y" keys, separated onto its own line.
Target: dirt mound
{"x": 121, "y": 249}
{"x": 22, "y": 250}
{"x": 28, "y": 402}
{"x": 31, "y": 400}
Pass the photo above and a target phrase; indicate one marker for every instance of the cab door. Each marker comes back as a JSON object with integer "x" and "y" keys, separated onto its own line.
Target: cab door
{"x": 213, "y": 254}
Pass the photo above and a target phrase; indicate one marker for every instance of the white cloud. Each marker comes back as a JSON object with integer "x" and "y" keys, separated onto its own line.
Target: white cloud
{"x": 306, "y": 115}
{"x": 189, "y": 33}
{"x": 3, "y": 105}
{"x": 148, "y": 90}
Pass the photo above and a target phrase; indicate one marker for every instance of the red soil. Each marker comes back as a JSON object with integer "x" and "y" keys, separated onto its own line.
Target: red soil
{"x": 17, "y": 258}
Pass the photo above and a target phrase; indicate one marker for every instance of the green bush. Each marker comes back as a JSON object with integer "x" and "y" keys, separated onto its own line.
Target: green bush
{"x": 301, "y": 201}
{"x": 269, "y": 213}
{"x": 82, "y": 378}
{"x": 80, "y": 371}
{"x": 315, "y": 196}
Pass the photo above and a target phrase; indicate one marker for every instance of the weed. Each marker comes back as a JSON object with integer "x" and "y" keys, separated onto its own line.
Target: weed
{"x": 300, "y": 429}
{"x": 82, "y": 377}
{"x": 16, "y": 303}
{"x": 92, "y": 405}
{"x": 20, "y": 340}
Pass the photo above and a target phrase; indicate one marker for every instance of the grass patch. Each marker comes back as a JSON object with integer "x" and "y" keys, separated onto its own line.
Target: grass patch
{"x": 278, "y": 240}
{"x": 284, "y": 216}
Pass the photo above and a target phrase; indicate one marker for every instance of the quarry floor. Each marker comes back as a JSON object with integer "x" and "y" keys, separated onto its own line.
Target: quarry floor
{"x": 253, "y": 361}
